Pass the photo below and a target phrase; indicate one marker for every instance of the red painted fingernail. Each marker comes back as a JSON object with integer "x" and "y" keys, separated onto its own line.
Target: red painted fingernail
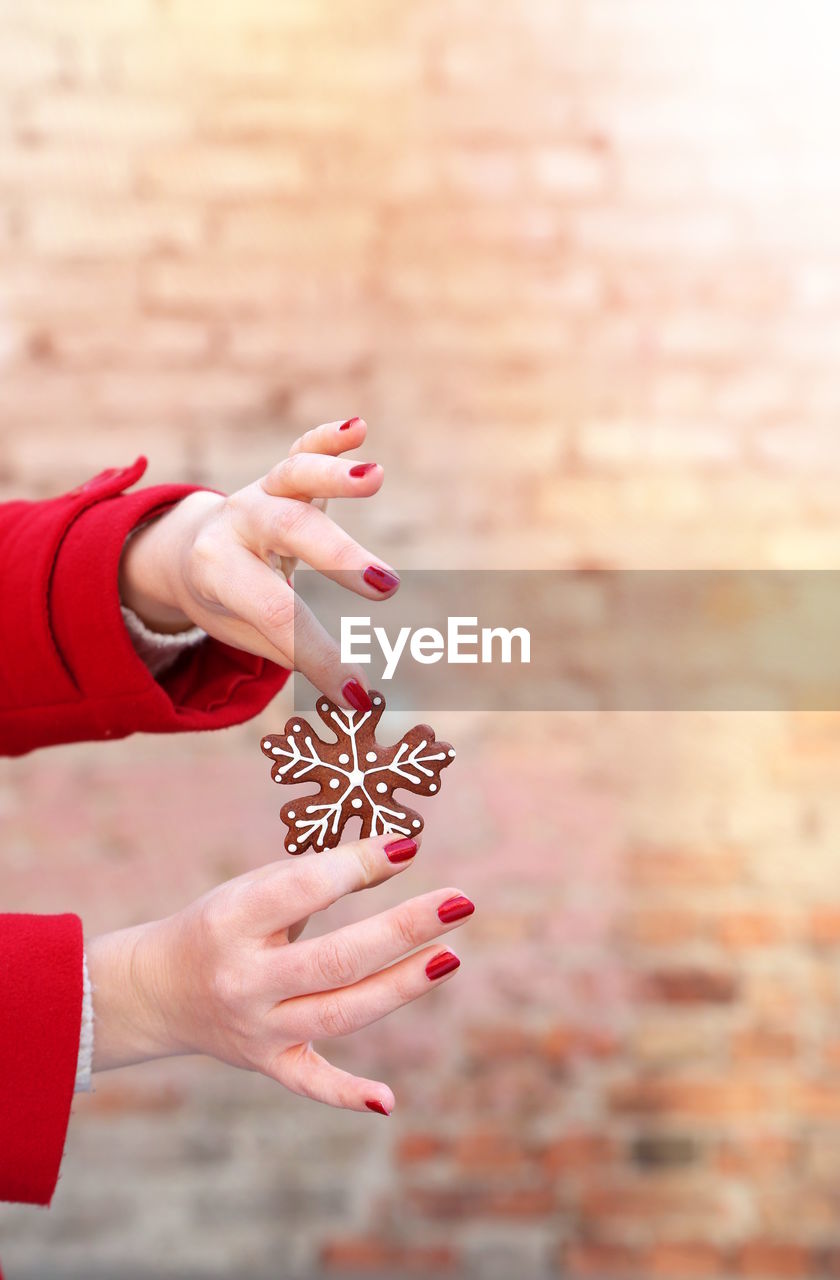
{"x": 345, "y": 426}
{"x": 443, "y": 962}
{"x": 380, "y": 578}
{"x": 356, "y": 695}
{"x": 373, "y": 1104}
{"x": 363, "y": 469}
{"x": 455, "y": 909}
{"x": 401, "y": 850}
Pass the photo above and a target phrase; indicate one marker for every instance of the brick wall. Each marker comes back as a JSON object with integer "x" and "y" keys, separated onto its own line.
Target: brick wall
{"x": 578, "y": 264}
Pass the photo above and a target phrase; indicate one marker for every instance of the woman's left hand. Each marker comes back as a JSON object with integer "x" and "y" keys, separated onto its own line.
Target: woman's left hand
{"x": 207, "y": 561}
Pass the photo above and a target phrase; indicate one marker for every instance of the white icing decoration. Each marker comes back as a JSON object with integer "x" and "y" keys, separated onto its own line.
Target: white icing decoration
{"x": 296, "y": 728}
{"x": 291, "y": 813}
{"x": 410, "y": 766}
{"x": 276, "y": 751}
{"x": 292, "y": 848}
{"x": 451, "y": 752}
{"x": 266, "y": 744}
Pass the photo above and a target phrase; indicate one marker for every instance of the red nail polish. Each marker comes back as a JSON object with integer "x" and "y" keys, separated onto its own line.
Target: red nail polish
{"x": 363, "y": 469}
{"x": 455, "y": 909}
{"x": 356, "y": 695}
{"x": 351, "y": 422}
{"x": 373, "y": 1104}
{"x": 380, "y": 578}
{"x": 443, "y": 962}
{"x": 401, "y": 850}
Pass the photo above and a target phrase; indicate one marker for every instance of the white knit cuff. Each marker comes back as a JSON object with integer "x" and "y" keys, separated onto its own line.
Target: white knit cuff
{"x": 84, "y": 1061}
{"x": 157, "y": 649}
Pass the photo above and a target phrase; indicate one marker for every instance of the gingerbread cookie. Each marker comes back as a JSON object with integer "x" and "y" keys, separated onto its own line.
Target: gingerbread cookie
{"x": 355, "y": 775}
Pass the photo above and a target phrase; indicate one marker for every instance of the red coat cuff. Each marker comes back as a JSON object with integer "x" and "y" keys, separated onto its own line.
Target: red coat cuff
{"x": 78, "y": 675}
{"x": 40, "y": 1019}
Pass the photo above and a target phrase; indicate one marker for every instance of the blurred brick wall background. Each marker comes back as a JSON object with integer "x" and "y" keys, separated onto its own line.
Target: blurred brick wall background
{"x": 578, "y": 264}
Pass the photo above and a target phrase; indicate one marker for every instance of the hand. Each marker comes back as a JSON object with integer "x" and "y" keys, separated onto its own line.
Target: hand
{"x": 207, "y": 560}
{"x": 229, "y": 976}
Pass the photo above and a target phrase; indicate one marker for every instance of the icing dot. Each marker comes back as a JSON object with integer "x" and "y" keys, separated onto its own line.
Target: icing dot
{"x": 417, "y": 823}
{"x": 292, "y": 848}
{"x": 334, "y": 783}
{"x": 278, "y": 778}
{"x": 290, "y": 814}
{"x": 324, "y": 706}
{"x": 344, "y": 758}
{"x": 371, "y": 755}
{"x": 377, "y": 701}
{"x": 357, "y": 804}
{"x": 450, "y": 752}
{"x": 296, "y": 728}
{"x": 266, "y": 744}
{"x": 382, "y": 787}
{"x": 433, "y": 786}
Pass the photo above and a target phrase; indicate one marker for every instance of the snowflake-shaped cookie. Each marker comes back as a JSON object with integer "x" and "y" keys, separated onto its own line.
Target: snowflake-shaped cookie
{"x": 355, "y": 775}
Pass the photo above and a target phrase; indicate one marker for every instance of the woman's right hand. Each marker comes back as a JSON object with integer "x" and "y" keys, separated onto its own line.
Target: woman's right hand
{"x": 230, "y": 975}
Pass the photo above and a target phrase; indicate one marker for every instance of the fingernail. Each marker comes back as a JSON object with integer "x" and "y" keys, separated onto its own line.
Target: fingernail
{"x": 380, "y": 578}
{"x": 401, "y": 850}
{"x": 351, "y": 422}
{"x": 373, "y": 1104}
{"x": 356, "y": 695}
{"x": 455, "y": 909}
{"x": 443, "y": 962}
{"x": 363, "y": 469}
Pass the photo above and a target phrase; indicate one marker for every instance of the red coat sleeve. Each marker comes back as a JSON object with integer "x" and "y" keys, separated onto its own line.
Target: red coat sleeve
{"x": 68, "y": 670}
{"x": 40, "y": 1016}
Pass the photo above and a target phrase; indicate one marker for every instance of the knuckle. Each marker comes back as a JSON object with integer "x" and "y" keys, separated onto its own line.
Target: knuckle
{"x": 345, "y": 554}
{"x": 276, "y": 611}
{"x": 367, "y": 856}
{"x": 313, "y": 881}
{"x": 333, "y": 1016}
{"x": 228, "y": 987}
{"x": 336, "y": 963}
{"x": 404, "y": 986}
{"x": 405, "y": 930}
{"x": 293, "y": 517}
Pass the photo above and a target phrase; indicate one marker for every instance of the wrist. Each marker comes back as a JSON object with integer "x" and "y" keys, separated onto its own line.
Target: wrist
{"x": 132, "y": 996}
{"x": 150, "y": 572}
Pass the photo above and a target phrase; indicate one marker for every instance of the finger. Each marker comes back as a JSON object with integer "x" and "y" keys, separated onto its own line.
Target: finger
{"x": 346, "y": 955}
{"x": 332, "y": 437}
{"x": 287, "y": 564}
{"x": 282, "y": 893}
{"x": 299, "y": 529}
{"x": 304, "y": 1071}
{"x": 291, "y": 634}
{"x": 304, "y": 476}
{"x": 341, "y": 1012}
